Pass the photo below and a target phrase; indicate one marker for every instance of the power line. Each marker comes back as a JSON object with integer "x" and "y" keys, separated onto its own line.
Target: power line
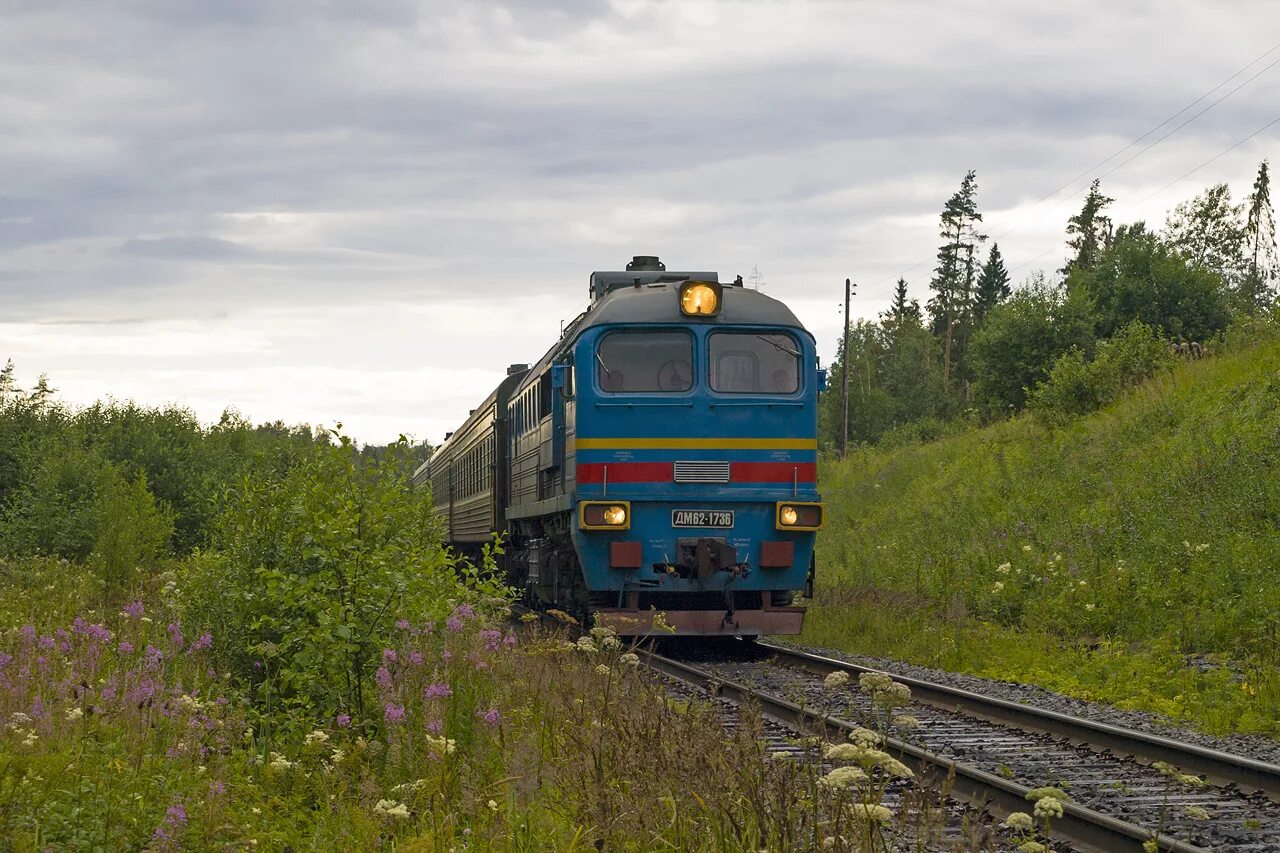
{"x": 1102, "y": 163}
{"x": 1136, "y": 155}
{"x": 1183, "y": 177}
{"x": 1147, "y": 148}
{"x": 1224, "y": 151}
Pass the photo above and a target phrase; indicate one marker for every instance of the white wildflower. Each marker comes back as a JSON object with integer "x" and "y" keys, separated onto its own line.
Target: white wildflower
{"x": 586, "y": 645}
{"x": 317, "y": 737}
{"x": 337, "y": 756}
{"x": 1197, "y": 812}
{"x": 602, "y": 669}
{"x": 1048, "y": 807}
{"x": 997, "y": 587}
{"x": 842, "y": 752}
{"x": 1026, "y": 548}
{"x": 836, "y": 680}
{"x": 279, "y": 762}
{"x": 1004, "y": 568}
{"x": 629, "y": 659}
{"x": 391, "y": 808}
{"x": 493, "y": 805}
{"x": 864, "y": 737}
{"x": 1020, "y": 822}
{"x": 1090, "y": 607}
{"x": 870, "y": 813}
{"x": 905, "y": 721}
{"x": 74, "y": 714}
{"x": 844, "y": 777}
{"x": 441, "y": 745}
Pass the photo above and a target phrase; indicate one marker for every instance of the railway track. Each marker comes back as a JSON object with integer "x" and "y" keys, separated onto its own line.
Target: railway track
{"x": 998, "y": 751}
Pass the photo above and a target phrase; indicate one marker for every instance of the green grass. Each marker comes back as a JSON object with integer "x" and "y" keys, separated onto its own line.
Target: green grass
{"x": 1098, "y": 559}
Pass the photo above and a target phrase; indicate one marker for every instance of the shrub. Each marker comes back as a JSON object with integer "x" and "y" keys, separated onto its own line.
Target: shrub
{"x": 130, "y": 527}
{"x": 1078, "y": 385}
{"x": 312, "y": 569}
{"x": 1016, "y": 347}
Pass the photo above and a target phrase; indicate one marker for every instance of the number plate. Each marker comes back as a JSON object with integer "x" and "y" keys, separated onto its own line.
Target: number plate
{"x": 701, "y": 518}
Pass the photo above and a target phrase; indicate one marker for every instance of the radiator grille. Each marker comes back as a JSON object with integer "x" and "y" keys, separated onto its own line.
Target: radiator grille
{"x": 702, "y": 472}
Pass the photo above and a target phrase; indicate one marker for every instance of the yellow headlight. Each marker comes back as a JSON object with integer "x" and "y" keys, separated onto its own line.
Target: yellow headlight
{"x": 798, "y": 515}
{"x": 699, "y": 299}
{"x": 615, "y": 515}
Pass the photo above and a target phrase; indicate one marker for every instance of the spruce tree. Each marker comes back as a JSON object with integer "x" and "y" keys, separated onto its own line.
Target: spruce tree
{"x": 1089, "y": 231}
{"x": 1260, "y": 242}
{"x": 953, "y": 280}
{"x": 901, "y": 309}
{"x": 993, "y": 285}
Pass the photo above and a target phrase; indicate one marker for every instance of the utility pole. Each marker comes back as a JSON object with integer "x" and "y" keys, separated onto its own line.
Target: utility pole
{"x": 844, "y": 370}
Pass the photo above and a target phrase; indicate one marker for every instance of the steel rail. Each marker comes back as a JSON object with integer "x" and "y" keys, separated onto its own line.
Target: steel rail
{"x": 1087, "y": 829}
{"x": 1221, "y": 768}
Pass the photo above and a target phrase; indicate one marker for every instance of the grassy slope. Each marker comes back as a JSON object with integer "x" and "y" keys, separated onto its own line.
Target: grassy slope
{"x": 1136, "y": 539}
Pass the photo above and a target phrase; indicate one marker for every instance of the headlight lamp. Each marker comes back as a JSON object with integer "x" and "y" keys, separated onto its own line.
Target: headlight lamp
{"x": 792, "y": 515}
{"x": 700, "y": 298}
{"x": 604, "y": 515}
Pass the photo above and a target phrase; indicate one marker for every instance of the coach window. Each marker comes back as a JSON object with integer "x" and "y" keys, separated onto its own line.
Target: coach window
{"x": 644, "y": 362}
{"x": 754, "y": 363}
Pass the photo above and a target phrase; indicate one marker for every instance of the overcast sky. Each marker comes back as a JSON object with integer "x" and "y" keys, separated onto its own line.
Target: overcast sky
{"x": 364, "y": 211}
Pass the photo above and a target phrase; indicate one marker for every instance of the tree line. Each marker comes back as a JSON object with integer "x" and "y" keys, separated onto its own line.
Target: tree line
{"x": 125, "y": 483}
{"x": 980, "y": 349}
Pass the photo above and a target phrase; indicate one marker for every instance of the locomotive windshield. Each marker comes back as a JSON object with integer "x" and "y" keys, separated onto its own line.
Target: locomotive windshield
{"x": 754, "y": 363}
{"x": 640, "y": 362}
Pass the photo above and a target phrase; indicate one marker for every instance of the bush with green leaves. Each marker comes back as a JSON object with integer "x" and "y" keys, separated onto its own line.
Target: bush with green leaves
{"x": 1078, "y": 385}
{"x": 1017, "y": 345}
{"x": 311, "y": 570}
{"x": 1140, "y": 277}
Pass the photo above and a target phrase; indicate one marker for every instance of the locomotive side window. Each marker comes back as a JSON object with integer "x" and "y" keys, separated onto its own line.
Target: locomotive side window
{"x": 754, "y": 363}
{"x": 644, "y": 362}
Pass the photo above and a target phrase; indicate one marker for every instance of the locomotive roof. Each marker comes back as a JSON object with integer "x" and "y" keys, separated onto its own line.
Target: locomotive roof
{"x": 659, "y": 302}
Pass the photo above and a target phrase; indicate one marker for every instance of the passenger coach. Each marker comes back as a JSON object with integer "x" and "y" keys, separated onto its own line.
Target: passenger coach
{"x": 661, "y": 458}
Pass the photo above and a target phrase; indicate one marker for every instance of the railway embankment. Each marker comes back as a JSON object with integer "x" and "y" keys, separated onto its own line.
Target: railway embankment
{"x": 1128, "y": 556}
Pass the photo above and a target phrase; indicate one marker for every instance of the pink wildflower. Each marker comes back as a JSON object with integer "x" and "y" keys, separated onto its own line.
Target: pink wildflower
{"x": 394, "y": 713}
{"x": 344, "y": 721}
{"x": 491, "y": 716}
{"x": 204, "y": 642}
{"x": 438, "y": 691}
{"x": 383, "y": 677}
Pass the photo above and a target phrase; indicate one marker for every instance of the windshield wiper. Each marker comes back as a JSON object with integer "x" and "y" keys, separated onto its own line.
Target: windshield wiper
{"x": 607, "y": 371}
{"x": 777, "y": 345}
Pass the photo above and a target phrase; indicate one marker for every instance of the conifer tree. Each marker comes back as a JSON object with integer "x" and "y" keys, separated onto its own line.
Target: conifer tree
{"x": 1089, "y": 231}
{"x": 1260, "y": 242}
{"x": 901, "y": 309}
{"x": 993, "y": 285}
{"x": 953, "y": 279}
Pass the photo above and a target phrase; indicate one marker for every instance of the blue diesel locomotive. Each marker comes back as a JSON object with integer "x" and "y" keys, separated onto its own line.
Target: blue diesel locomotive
{"x": 661, "y": 458}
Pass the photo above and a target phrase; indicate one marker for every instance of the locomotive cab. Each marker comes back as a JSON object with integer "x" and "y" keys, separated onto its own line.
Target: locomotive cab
{"x": 695, "y": 456}
{"x": 656, "y": 470}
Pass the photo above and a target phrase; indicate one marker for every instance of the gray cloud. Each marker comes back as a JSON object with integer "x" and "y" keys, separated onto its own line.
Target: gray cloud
{"x": 185, "y": 160}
